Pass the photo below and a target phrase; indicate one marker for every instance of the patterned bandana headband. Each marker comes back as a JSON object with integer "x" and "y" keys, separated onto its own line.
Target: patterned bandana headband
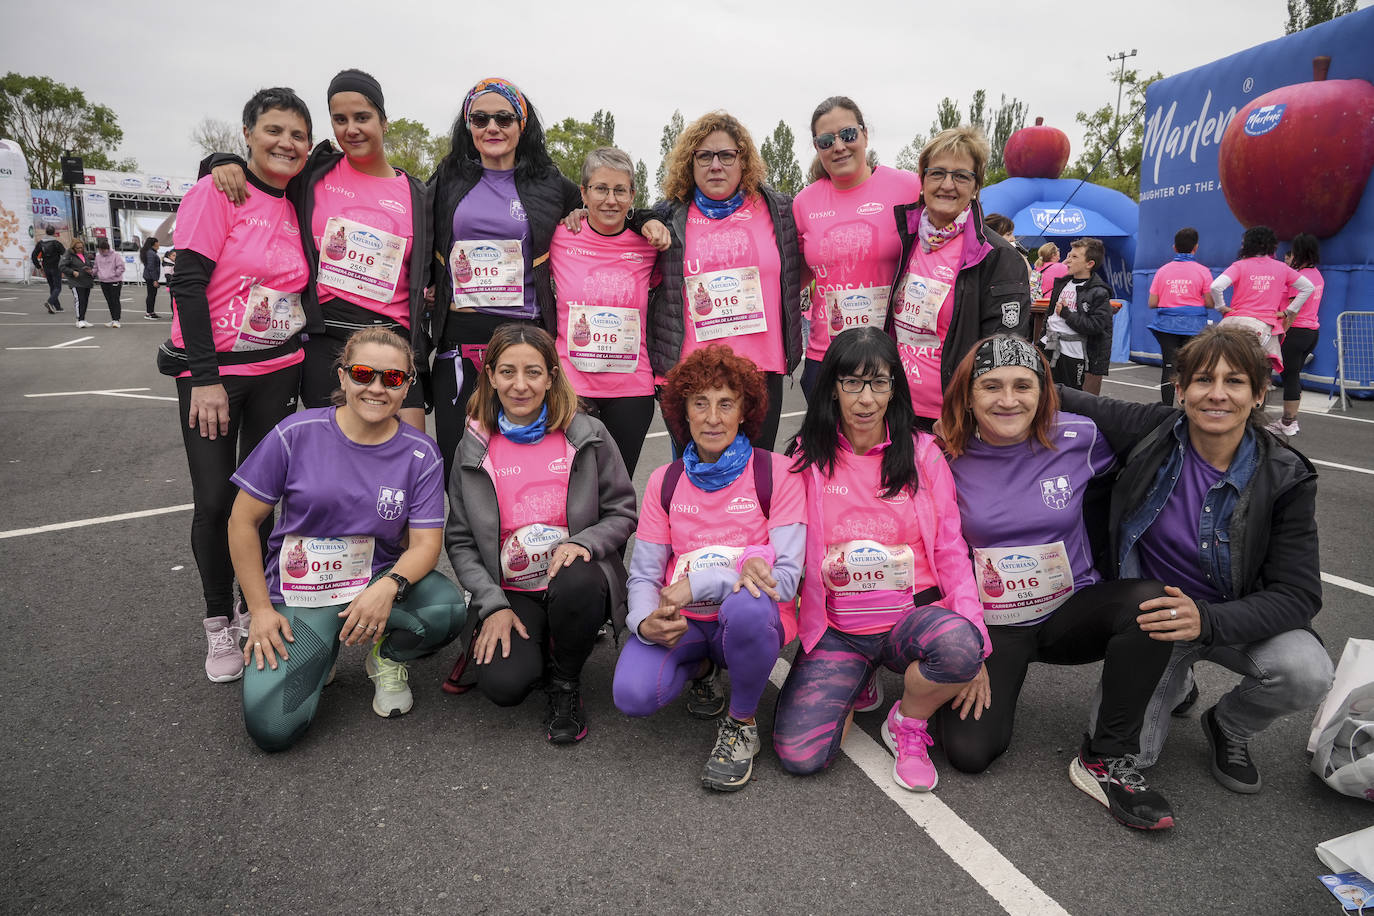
{"x": 1005, "y": 350}
{"x": 503, "y": 88}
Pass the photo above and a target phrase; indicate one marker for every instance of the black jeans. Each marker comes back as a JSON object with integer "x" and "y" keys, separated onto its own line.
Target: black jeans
{"x": 54, "y": 278}
{"x": 152, "y": 295}
{"x": 111, "y": 292}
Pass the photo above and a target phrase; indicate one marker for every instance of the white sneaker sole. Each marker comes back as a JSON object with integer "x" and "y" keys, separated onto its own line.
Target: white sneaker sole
{"x": 1088, "y": 783}
{"x": 892, "y": 747}
{"x": 224, "y": 678}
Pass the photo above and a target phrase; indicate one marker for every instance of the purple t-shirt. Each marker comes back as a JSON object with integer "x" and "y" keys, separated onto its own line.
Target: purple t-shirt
{"x": 492, "y": 210}
{"x": 332, "y": 487}
{"x": 1169, "y": 547}
{"x": 1024, "y": 494}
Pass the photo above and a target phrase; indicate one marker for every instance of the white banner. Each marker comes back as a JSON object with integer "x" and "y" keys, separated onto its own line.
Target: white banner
{"x": 138, "y": 183}
{"x": 16, "y": 226}
{"x": 96, "y": 206}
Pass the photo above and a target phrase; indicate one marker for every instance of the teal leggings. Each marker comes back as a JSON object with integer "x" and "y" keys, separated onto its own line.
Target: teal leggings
{"x": 279, "y": 705}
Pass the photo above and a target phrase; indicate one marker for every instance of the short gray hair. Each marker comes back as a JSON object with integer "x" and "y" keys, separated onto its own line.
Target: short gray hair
{"x": 607, "y": 157}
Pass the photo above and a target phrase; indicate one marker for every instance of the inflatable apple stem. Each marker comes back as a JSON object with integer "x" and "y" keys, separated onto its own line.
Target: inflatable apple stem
{"x": 1039, "y": 122}
{"x": 1320, "y": 66}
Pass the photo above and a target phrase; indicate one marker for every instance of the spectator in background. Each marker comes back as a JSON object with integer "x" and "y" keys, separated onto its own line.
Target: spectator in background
{"x": 47, "y": 257}
{"x": 1300, "y": 330}
{"x": 152, "y": 271}
{"x": 1050, "y": 267}
{"x": 1179, "y": 292}
{"x": 1080, "y": 317}
{"x": 109, "y": 271}
{"x": 76, "y": 270}
{"x": 1004, "y": 227}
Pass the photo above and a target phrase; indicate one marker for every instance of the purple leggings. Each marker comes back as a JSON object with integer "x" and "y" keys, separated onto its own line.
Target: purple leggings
{"x": 824, "y": 682}
{"x": 746, "y": 637}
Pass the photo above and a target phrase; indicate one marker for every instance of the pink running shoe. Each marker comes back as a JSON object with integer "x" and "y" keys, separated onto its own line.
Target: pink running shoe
{"x": 223, "y": 658}
{"x": 908, "y": 741}
{"x": 871, "y": 697}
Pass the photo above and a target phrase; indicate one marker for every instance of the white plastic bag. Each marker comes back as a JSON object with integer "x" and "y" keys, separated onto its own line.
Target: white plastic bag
{"x": 1344, "y": 750}
{"x": 1356, "y": 667}
{"x": 1352, "y": 852}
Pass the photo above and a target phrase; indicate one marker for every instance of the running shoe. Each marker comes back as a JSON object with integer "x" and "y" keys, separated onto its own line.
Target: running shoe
{"x": 1284, "y": 427}
{"x": 152, "y": 316}
{"x": 83, "y": 323}
{"x": 908, "y": 740}
{"x": 565, "y": 722}
{"x": 731, "y": 763}
{"x": 223, "y": 658}
{"x": 463, "y": 677}
{"x": 871, "y": 697}
{"x": 391, "y": 696}
{"x": 1231, "y": 763}
{"x": 48, "y": 306}
{"x": 705, "y": 700}
{"x": 112, "y": 324}
{"x": 1116, "y": 782}
{"x": 1186, "y": 705}
{"x": 240, "y": 619}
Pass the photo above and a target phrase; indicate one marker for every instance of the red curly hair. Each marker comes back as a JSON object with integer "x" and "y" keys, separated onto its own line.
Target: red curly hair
{"x": 715, "y": 366}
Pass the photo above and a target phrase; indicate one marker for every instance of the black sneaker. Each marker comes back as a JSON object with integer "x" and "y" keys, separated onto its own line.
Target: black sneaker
{"x": 1231, "y": 764}
{"x": 732, "y": 759}
{"x": 1116, "y": 783}
{"x": 1186, "y": 705}
{"x": 705, "y": 700}
{"x": 565, "y": 723}
{"x": 48, "y": 306}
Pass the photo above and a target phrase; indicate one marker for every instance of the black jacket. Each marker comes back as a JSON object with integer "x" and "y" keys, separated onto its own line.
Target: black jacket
{"x": 47, "y": 255}
{"x": 666, "y": 331}
{"x": 991, "y": 291}
{"x": 547, "y": 197}
{"x": 1275, "y": 569}
{"x": 77, "y": 270}
{"x": 1091, "y": 318}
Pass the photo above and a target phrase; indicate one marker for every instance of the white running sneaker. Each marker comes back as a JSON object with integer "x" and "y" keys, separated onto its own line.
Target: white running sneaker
{"x": 1284, "y": 427}
{"x": 223, "y": 658}
{"x": 112, "y": 324}
{"x": 83, "y": 323}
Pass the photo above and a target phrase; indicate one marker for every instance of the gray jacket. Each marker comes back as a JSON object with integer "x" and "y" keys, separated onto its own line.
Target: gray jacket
{"x": 601, "y": 514}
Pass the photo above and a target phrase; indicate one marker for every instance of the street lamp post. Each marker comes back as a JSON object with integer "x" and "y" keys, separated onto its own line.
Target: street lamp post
{"x": 1120, "y": 81}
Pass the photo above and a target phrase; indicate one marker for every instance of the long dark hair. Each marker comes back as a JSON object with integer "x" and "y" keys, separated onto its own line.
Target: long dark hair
{"x": 149, "y": 242}
{"x": 856, "y": 352}
{"x": 1306, "y": 251}
{"x": 531, "y": 153}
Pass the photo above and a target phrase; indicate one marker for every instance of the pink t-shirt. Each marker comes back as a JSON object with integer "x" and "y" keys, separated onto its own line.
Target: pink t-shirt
{"x": 715, "y": 527}
{"x": 1260, "y": 287}
{"x": 922, "y": 361}
{"x": 602, "y": 286}
{"x": 375, "y": 203}
{"x": 531, "y": 483}
{"x": 1051, "y": 272}
{"x": 256, "y": 244}
{"x": 1181, "y": 283}
{"x": 722, "y": 294}
{"x": 1307, "y": 315}
{"x": 850, "y": 243}
{"x": 870, "y": 542}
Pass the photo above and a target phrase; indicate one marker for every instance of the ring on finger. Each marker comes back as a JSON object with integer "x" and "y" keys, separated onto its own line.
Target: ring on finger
{"x": 1173, "y": 613}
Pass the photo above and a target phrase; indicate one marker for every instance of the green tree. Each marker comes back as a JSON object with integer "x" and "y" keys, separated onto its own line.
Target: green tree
{"x": 1004, "y": 120}
{"x": 671, "y": 130}
{"x": 998, "y": 123}
{"x": 641, "y": 184}
{"x": 47, "y": 118}
{"x": 780, "y": 158}
{"x": 1303, "y": 14}
{"x": 909, "y": 157}
{"x": 1111, "y": 142}
{"x": 570, "y": 140}
{"x": 410, "y": 147}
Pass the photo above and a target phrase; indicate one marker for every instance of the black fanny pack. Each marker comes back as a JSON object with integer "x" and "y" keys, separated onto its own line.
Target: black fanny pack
{"x": 171, "y": 359}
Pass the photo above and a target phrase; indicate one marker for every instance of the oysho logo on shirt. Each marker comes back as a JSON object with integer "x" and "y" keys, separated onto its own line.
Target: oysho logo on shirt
{"x": 394, "y": 206}
{"x": 742, "y": 505}
{"x": 336, "y": 189}
{"x": 823, "y": 214}
{"x": 836, "y": 489}
{"x": 391, "y": 501}
{"x": 685, "y": 509}
{"x": 512, "y": 471}
{"x": 872, "y": 206}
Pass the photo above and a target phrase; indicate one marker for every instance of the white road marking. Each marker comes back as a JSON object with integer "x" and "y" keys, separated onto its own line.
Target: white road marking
{"x": 69, "y": 345}
{"x": 1343, "y": 467}
{"x": 1131, "y": 384}
{"x": 8, "y": 298}
{"x": 20, "y": 314}
{"x": 1348, "y": 583}
{"x": 1012, "y": 890}
{"x": 86, "y": 522}
{"x": 112, "y": 392}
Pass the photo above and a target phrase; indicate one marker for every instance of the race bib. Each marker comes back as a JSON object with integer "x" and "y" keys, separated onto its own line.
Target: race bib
{"x": 854, "y": 567}
{"x": 321, "y": 572}
{"x": 487, "y": 274}
{"x": 358, "y": 259}
{"x": 525, "y": 556}
{"x": 602, "y": 338}
{"x": 726, "y": 303}
{"x": 1022, "y": 584}
{"x": 916, "y": 310}
{"x": 856, "y": 308}
{"x": 270, "y": 319}
{"x": 712, "y": 557}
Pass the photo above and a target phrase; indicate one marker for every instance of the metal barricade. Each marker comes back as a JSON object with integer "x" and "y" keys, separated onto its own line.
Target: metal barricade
{"x": 1354, "y": 354}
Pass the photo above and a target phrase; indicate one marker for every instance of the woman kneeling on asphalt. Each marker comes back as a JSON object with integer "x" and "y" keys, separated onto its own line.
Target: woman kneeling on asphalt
{"x": 362, "y": 509}
{"x": 1225, "y": 514}
{"x": 888, "y": 582}
{"x": 540, "y": 510}
{"x": 1022, "y": 468}
{"x": 719, "y": 548}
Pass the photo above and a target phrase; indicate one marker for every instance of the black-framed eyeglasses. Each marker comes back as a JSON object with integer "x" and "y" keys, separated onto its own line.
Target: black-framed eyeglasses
{"x": 503, "y": 119}
{"x": 880, "y": 385}
{"x": 727, "y": 157}
{"x": 363, "y": 375}
{"x": 962, "y": 177}
{"x": 601, "y": 192}
{"x": 827, "y": 140}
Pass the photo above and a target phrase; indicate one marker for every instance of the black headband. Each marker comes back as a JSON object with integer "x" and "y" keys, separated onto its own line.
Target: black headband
{"x": 1005, "y": 350}
{"x": 359, "y": 82}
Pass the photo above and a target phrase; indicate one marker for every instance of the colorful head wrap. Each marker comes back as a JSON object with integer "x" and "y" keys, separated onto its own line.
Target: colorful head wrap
{"x": 1006, "y": 350}
{"x": 503, "y": 88}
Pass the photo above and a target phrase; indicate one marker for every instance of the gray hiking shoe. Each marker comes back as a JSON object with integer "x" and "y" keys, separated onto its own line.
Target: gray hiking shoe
{"x": 732, "y": 759}
{"x": 705, "y": 700}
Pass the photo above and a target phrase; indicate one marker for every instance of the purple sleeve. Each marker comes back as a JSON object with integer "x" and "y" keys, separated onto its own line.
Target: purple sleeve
{"x": 427, "y": 508}
{"x": 263, "y": 473}
{"x": 1101, "y": 458}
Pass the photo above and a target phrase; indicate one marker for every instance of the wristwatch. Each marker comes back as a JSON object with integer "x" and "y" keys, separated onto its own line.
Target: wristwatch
{"x": 402, "y": 585}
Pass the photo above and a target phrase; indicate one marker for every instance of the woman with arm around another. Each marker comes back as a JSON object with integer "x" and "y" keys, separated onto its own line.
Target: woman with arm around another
{"x": 351, "y": 560}
{"x": 887, "y": 581}
{"x": 849, "y": 240}
{"x": 719, "y": 548}
{"x": 540, "y": 508}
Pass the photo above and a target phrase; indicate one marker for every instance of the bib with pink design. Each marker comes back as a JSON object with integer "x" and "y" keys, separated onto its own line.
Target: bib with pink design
{"x": 532, "y": 492}
{"x": 921, "y": 309}
{"x": 364, "y": 231}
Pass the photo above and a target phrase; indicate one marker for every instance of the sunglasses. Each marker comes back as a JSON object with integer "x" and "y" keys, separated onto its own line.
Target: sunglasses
{"x": 363, "y": 375}
{"x": 827, "y": 140}
{"x": 480, "y": 119}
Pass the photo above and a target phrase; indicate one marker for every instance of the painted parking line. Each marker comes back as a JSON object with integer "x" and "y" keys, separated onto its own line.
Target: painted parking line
{"x": 1348, "y": 583}
{"x": 1340, "y": 467}
{"x": 108, "y": 392}
{"x": 87, "y": 522}
{"x": 66, "y": 345}
{"x": 1006, "y": 883}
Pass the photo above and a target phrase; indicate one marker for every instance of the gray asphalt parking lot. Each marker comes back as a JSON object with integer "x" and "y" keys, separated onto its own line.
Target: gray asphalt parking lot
{"x": 132, "y": 786}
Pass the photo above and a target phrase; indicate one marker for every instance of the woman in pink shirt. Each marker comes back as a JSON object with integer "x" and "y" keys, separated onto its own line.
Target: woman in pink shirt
{"x": 1050, "y": 268}
{"x": 849, "y": 239}
{"x": 1300, "y": 330}
{"x": 109, "y": 272}
{"x": 888, "y": 582}
{"x": 1260, "y": 299}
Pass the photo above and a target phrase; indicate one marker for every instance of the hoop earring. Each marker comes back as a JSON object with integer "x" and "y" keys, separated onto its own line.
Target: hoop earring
{"x": 629, "y": 214}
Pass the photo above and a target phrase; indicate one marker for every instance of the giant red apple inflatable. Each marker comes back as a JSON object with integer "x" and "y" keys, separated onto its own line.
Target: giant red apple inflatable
{"x": 1036, "y": 152}
{"x": 1297, "y": 159}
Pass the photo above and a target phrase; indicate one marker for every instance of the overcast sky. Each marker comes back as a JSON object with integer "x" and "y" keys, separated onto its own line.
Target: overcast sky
{"x": 164, "y": 67}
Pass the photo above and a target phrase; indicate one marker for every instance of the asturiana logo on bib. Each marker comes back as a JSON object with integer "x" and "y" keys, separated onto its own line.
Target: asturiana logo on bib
{"x": 858, "y": 302}
{"x": 326, "y": 547}
{"x": 711, "y": 560}
{"x": 1016, "y": 563}
{"x": 395, "y": 206}
{"x": 542, "y": 536}
{"x": 607, "y": 320}
{"x": 723, "y": 284}
{"x": 558, "y": 465}
{"x": 485, "y": 253}
{"x": 867, "y": 556}
{"x": 1262, "y": 120}
{"x": 364, "y": 239}
{"x": 872, "y": 206}
{"x": 741, "y": 505}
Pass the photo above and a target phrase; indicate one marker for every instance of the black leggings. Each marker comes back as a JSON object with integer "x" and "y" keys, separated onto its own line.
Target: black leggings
{"x": 1097, "y": 623}
{"x": 768, "y": 432}
{"x": 563, "y": 618}
{"x": 1298, "y": 343}
{"x": 1168, "y": 348}
{"x": 627, "y": 420}
{"x": 256, "y": 404}
{"x": 111, "y": 291}
{"x": 151, "y": 300}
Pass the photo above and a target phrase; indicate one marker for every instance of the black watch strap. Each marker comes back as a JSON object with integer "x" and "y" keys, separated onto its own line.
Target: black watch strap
{"x": 402, "y": 585}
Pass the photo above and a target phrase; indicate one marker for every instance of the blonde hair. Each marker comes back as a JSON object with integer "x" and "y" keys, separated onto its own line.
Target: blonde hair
{"x": 680, "y": 180}
{"x": 377, "y": 335}
{"x": 485, "y": 404}
{"x": 971, "y": 141}
{"x": 1042, "y": 254}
